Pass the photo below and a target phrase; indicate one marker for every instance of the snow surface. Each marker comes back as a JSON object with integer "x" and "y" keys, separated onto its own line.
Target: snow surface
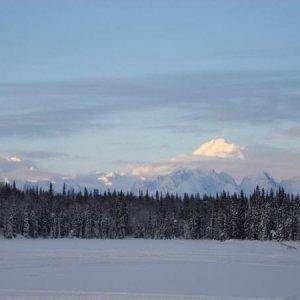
{"x": 148, "y": 269}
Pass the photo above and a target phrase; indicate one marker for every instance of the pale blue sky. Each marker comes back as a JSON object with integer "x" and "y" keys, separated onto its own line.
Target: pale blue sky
{"x": 94, "y": 85}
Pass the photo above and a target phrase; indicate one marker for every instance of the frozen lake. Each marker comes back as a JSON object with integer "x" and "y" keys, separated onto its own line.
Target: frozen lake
{"x": 148, "y": 269}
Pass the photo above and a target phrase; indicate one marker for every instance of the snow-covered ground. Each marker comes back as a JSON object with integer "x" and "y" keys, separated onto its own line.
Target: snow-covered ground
{"x": 148, "y": 269}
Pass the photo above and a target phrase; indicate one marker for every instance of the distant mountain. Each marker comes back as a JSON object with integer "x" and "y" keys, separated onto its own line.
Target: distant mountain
{"x": 180, "y": 181}
{"x": 264, "y": 181}
{"x": 22, "y": 171}
{"x": 190, "y": 181}
{"x": 291, "y": 185}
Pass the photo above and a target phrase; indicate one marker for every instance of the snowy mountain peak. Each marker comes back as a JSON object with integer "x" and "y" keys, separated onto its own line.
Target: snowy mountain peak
{"x": 15, "y": 159}
{"x": 219, "y": 148}
{"x": 105, "y": 180}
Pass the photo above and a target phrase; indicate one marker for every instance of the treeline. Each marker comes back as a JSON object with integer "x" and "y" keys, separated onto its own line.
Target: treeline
{"x": 35, "y": 213}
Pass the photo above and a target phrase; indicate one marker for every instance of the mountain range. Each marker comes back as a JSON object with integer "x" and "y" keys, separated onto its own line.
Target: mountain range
{"x": 180, "y": 181}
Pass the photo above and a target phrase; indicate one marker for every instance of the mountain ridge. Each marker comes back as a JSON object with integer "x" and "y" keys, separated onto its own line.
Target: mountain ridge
{"x": 180, "y": 181}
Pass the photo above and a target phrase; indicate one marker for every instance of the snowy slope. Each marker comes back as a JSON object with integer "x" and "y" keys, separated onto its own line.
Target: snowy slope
{"x": 291, "y": 185}
{"x": 263, "y": 180}
{"x": 192, "y": 181}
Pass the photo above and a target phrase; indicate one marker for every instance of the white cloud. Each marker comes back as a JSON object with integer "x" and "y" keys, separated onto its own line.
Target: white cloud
{"x": 219, "y": 148}
{"x": 152, "y": 169}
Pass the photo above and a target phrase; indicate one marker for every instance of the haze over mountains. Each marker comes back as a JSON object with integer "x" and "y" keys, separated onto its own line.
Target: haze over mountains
{"x": 181, "y": 180}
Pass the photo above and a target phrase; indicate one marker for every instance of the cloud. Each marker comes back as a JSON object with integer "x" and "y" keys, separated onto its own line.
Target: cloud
{"x": 41, "y": 155}
{"x": 293, "y": 132}
{"x": 62, "y": 108}
{"x": 219, "y": 148}
{"x": 152, "y": 169}
{"x": 46, "y": 122}
{"x": 168, "y": 109}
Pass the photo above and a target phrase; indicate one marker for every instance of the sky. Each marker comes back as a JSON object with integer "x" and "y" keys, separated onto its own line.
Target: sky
{"x": 113, "y": 85}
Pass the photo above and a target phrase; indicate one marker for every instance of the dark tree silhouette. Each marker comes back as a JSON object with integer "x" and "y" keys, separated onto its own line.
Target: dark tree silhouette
{"x": 35, "y": 213}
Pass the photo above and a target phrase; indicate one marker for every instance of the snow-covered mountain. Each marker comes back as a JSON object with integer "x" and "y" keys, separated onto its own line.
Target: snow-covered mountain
{"x": 180, "y": 181}
{"x": 190, "y": 181}
{"x": 291, "y": 185}
{"x": 22, "y": 171}
{"x": 263, "y": 180}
